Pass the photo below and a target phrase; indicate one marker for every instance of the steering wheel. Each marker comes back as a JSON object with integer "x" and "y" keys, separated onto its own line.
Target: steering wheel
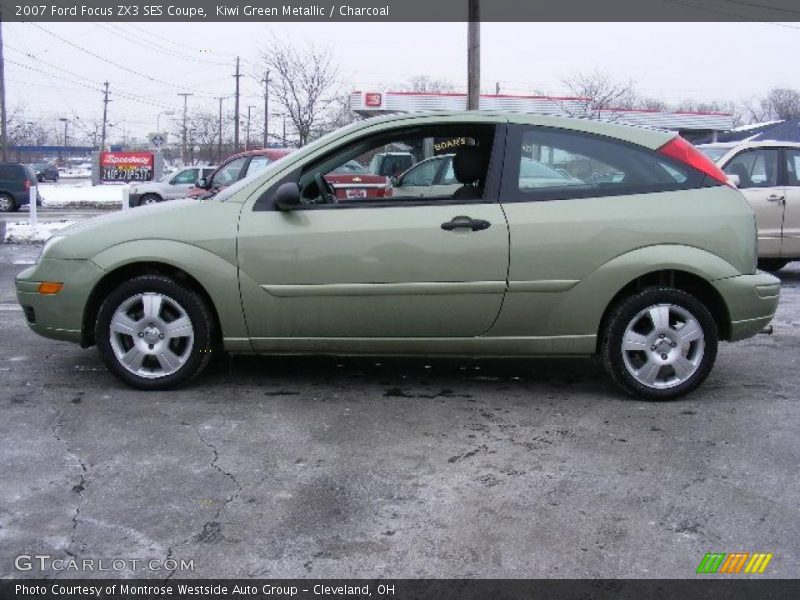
{"x": 325, "y": 189}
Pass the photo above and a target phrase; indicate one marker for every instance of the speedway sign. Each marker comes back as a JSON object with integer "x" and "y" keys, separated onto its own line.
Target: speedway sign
{"x": 126, "y": 166}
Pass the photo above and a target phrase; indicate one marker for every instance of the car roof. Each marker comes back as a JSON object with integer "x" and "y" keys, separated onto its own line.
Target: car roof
{"x": 754, "y": 144}
{"x": 645, "y": 136}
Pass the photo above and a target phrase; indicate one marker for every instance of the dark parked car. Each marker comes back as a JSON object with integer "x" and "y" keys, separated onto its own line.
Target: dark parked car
{"x": 16, "y": 181}
{"x": 45, "y": 171}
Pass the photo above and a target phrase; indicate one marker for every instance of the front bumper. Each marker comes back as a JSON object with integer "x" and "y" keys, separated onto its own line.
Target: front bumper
{"x": 58, "y": 316}
{"x": 751, "y": 300}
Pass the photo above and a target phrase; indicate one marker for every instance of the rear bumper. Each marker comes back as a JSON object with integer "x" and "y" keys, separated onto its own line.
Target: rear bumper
{"x": 751, "y": 300}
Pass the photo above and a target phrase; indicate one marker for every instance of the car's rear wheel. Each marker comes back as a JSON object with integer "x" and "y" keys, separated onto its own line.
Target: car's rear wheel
{"x": 153, "y": 333}
{"x": 659, "y": 344}
{"x": 772, "y": 264}
{"x": 7, "y": 203}
{"x": 149, "y": 199}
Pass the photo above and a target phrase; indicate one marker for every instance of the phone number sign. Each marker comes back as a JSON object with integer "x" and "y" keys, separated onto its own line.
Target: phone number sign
{"x": 126, "y": 166}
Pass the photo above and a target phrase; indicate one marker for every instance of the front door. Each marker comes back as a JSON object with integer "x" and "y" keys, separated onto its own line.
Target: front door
{"x": 757, "y": 170}
{"x": 397, "y": 267}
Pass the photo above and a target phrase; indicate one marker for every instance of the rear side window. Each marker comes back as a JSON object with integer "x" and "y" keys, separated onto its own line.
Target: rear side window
{"x": 793, "y": 167}
{"x": 552, "y": 164}
{"x": 12, "y": 173}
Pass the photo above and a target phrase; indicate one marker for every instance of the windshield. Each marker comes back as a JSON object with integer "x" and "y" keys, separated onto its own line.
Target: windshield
{"x": 245, "y": 181}
{"x": 714, "y": 152}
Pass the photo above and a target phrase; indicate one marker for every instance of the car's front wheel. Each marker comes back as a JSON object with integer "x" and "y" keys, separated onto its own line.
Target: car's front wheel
{"x": 7, "y": 203}
{"x": 153, "y": 333}
{"x": 149, "y": 199}
{"x": 659, "y": 344}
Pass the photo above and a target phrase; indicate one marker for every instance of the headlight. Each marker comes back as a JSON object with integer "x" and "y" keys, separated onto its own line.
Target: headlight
{"x": 47, "y": 245}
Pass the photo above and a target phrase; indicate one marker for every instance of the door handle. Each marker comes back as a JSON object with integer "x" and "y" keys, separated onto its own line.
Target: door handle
{"x": 466, "y": 223}
{"x": 776, "y": 197}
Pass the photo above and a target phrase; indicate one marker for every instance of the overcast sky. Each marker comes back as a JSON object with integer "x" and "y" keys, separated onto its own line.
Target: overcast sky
{"x": 701, "y": 61}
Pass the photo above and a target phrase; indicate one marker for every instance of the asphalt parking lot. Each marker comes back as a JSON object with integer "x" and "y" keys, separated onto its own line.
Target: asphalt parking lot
{"x": 324, "y": 467}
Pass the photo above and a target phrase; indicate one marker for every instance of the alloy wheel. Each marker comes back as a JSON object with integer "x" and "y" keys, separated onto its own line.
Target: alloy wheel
{"x": 663, "y": 346}
{"x": 151, "y": 335}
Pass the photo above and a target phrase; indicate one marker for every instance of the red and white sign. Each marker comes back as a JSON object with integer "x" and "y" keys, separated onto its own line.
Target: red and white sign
{"x": 126, "y": 166}
{"x": 373, "y": 99}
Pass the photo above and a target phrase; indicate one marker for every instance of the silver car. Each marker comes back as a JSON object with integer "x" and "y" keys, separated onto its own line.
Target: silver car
{"x": 169, "y": 187}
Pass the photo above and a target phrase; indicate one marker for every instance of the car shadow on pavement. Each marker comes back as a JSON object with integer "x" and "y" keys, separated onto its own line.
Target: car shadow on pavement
{"x": 447, "y": 375}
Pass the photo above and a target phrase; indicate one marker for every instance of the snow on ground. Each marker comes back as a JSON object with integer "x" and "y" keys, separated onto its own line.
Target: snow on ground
{"x": 21, "y": 232}
{"x": 82, "y": 195}
{"x": 75, "y": 173}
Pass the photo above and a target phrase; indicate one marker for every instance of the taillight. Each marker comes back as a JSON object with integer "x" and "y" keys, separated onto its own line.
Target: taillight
{"x": 27, "y": 185}
{"x": 681, "y": 150}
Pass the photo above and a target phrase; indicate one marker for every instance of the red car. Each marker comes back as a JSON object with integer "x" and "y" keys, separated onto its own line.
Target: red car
{"x": 235, "y": 168}
{"x": 351, "y": 180}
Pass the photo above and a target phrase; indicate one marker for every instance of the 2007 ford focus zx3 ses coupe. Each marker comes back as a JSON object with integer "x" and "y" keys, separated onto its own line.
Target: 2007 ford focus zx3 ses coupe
{"x": 540, "y": 236}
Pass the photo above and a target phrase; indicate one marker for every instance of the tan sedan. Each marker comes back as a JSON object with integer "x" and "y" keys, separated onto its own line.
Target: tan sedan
{"x": 767, "y": 173}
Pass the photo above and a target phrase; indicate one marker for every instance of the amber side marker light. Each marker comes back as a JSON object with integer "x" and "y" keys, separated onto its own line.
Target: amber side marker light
{"x": 50, "y": 288}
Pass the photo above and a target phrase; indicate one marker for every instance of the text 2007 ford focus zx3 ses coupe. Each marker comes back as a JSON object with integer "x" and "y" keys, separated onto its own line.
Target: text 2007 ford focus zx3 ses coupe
{"x": 546, "y": 236}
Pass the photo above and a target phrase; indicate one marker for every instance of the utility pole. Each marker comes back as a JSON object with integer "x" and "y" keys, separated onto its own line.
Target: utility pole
{"x": 265, "y": 81}
{"x": 247, "y": 136}
{"x": 185, "y": 108}
{"x": 66, "y": 140}
{"x": 237, "y": 76}
{"x": 219, "y": 147}
{"x": 474, "y": 55}
{"x": 3, "y": 132}
{"x": 105, "y": 118}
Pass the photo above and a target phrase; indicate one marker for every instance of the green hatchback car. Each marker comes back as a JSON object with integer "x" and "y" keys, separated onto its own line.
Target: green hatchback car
{"x": 638, "y": 251}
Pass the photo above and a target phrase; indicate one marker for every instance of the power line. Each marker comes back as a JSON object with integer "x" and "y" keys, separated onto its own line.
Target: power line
{"x": 106, "y": 60}
{"x": 153, "y": 46}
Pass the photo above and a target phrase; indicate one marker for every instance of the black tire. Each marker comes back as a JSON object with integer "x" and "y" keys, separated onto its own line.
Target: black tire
{"x": 197, "y": 311}
{"x": 626, "y": 312}
{"x": 149, "y": 199}
{"x": 9, "y": 204}
{"x": 772, "y": 264}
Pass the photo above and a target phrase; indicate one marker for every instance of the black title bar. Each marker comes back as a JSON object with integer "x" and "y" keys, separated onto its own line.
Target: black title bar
{"x": 401, "y": 589}
{"x": 266, "y": 11}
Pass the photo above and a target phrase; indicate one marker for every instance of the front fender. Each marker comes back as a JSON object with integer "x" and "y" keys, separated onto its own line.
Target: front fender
{"x": 218, "y": 276}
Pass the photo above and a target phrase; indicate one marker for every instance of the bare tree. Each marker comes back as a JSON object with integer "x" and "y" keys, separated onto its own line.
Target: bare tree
{"x": 598, "y": 91}
{"x": 779, "y": 103}
{"x": 302, "y": 82}
{"x": 203, "y": 124}
{"x": 422, "y": 84}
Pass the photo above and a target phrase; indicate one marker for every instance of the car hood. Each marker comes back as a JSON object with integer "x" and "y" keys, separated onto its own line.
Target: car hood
{"x": 206, "y": 224}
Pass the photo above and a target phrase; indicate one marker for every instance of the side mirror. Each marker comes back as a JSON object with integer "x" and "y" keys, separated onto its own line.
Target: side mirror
{"x": 287, "y": 196}
{"x": 734, "y": 180}
{"x": 394, "y": 180}
{"x": 201, "y": 183}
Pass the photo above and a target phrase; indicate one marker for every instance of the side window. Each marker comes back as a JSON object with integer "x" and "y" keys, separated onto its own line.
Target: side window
{"x": 421, "y": 174}
{"x": 557, "y": 164}
{"x": 189, "y": 176}
{"x": 755, "y": 168}
{"x": 229, "y": 173}
{"x": 411, "y": 153}
{"x": 792, "y": 167}
{"x": 257, "y": 163}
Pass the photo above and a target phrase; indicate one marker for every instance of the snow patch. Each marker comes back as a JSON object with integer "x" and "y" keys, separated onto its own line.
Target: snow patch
{"x": 22, "y": 233}
{"x": 83, "y": 195}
